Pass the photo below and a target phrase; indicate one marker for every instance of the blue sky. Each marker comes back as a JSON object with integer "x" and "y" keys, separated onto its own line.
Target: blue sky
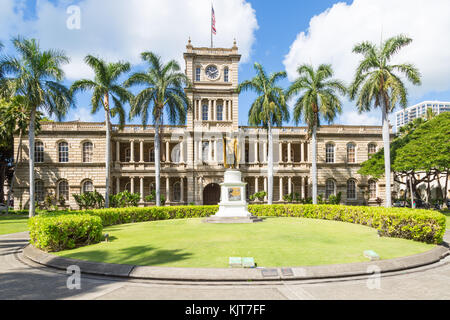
{"x": 278, "y": 34}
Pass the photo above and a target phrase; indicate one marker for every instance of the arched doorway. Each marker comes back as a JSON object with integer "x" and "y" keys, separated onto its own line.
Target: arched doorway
{"x": 211, "y": 194}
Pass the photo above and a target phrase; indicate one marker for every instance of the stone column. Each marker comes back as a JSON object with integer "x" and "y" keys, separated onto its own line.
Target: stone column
{"x": 167, "y": 151}
{"x": 141, "y": 150}
{"x": 210, "y": 110}
{"x": 191, "y": 186}
{"x": 302, "y": 187}
{"x": 200, "y": 150}
{"x": 256, "y": 184}
{"x": 290, "y": 185}
{"x": 131, "y": 151}
{"x": 281, "y": 188}
{"x": 182, "y": 151}
{"x": 132, "y": 184}
{"x": 118, "y": 151}
{"x": 210, "y": 146}
{"x": 200, "y": 190}
{"x": 167, "y": 190}
{"x": 289, "y": 152}
{"x": 182, "y": 189}
{"x": 302, "y": 151}
{"x": 280, "y": 152}
{"x": 214, "y": 114}
{"x": 256, "y": 151}
{"x": 265, "y": 152}
{"x": 117, "y": 185}
{"x": 215, "y": 150}
{"x": 242, "y": 142}
{"x": 142, "y": 188}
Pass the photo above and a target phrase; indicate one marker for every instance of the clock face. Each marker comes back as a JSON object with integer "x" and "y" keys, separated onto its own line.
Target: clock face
{"x": 212, "y": 72}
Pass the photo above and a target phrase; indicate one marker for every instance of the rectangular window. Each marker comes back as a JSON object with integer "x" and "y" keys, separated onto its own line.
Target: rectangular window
{"x": 197, "y": 74}
{"x": 351, "y": 158}
{"x": 330, "y": 153}
{"x": 63, "y": 152}
{"x": 39, "y": 152}
{"x": 226, "y": 75}
{"x": 219, "y": 112}
{"x": 205, "y": 112}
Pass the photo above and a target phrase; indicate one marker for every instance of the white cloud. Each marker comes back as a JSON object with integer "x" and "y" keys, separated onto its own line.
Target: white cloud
{"x": 333, "y": 33}
{"x": 82, "y": 114}
{"x": 121, "y": 30}
{"x": 363, "y": 119}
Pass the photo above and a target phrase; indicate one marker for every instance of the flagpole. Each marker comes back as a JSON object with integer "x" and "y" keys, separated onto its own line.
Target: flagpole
{"x": 211, "y": 26}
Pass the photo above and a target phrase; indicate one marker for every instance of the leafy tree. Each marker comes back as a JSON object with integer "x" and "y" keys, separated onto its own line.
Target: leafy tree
{"x": 163, "y": 91}
{"x": 268, "y": 110}
{"x": 105, "y": 87}
{"x": 318, "y": 100}
{"x": 376, "y": 84}
{"x": 36, "y": 75}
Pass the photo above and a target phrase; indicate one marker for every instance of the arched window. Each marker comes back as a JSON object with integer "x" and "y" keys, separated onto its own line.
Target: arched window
{"x": 219, "y": 112}
{"x": 205, "y": 112}
{"x": 372, "y": 149}
{"x": 198, "y": 72}
{"x": 63, "y": 148}
{"x": 330, "y": 188}
{"x": 63, "y": 189}
{"x": 88, "y": 152}
{"x": 372, "y": 189}
{"x": 176, "y": 192}
{"x": 127, "y": 155}
{"x": 152, "y": 155}
{"x": 226, "y": 74}
{"x": 39, "y": 152}
{"x": 39, "y": 190}
{"x": 88, "y": 186}
{"x": 329, "y": 156}
{"x": 351, "y": 153}
{"x": 351, "y": 189}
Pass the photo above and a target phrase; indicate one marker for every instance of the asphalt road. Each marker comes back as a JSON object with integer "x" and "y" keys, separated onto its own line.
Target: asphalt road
{"x": 22, "y": 279}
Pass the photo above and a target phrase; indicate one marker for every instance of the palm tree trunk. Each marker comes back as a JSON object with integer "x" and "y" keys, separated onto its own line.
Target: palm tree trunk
{"x": 31, "y": 162}
{"x": 270, "y": 167}
{"x": 108, "y": 155}
{"x": 387, "y": 156}
{"x": 157, "y": 162}
{"x": 314, "y": 163}
{"x": 411, "y": 188}
{"x": 16, "y": 163}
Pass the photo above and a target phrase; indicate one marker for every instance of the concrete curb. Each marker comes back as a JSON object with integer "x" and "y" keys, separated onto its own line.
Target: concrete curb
{"x": 237, "y": 274}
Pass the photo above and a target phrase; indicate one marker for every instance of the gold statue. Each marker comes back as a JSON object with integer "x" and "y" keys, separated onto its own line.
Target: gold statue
{"x": 235, "y": 151}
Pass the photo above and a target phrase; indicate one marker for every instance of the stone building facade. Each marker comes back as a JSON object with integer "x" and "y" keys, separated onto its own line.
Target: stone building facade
{"x": 70, "y": 156}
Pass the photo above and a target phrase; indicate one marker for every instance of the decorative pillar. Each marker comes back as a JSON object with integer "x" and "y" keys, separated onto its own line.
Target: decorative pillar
{"x": 256, "y": 150}
{"x": 215, "y": 150}
{"x": 117, "y": 185}
{"x": 242, "y": 142}
{"x": 290, "y": 185}
{"x": 256, "y": 184}
{"x": 132, "y": 184}
{"x": 131, "y": 151}
{"x": 167, "y": 190}
{"x": 280, "y": 152}
{"x": 142, "y": 188}
{"x": 210, "y": 151}
{"x": 200, "y": 190}
{"x": 182, "y": 151}
{"x": 289, "y": 152}
{"x": 182, "y": 189}
{"x": 281, "y": 188}
{"x": 118, "y": 151}
{"x": 302, "y": 152}
{"x": 141, "y": 143}
{"x": 265, "y": 188}
{"x": 210, "y": 110}
{"x": 265, "y": 152}
{"x": 200, "y": 151}
{"x": 302, "y": 187}
{"x": 167, "y": 151}
{"x": 214, "y": 113}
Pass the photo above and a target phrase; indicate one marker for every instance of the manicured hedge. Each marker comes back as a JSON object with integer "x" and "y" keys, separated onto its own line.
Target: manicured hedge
{"x": 56, "y": 232}
{"x": 414, "y": 224}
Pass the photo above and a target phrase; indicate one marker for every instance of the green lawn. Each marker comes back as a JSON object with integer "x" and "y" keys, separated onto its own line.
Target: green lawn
{"x": 447, "y": 214}
{"x": 274, "y": 242}
{"x": 13, "y": 223}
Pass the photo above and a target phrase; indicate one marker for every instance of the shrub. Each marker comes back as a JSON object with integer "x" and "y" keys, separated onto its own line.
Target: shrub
{"x": 56, "y": 232}
{"x": 124, "y": 199}
{"x": 420, "y": 225}
{"x": 89, "y": 200}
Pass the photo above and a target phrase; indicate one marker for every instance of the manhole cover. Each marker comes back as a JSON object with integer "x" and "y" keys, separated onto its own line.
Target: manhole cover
{"x": 269, "y": 272}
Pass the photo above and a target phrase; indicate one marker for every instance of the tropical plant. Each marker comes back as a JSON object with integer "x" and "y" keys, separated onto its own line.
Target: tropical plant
{"x": 36, "y": 75}
{"x": 163, "y": 91}
{"x": 152, "y": 196}
{"x": 268, "y": 110}
{"x": 90, "y": 200}
{"x": 318, "y": 100}
{"x": 376, "y": 84}
{"x": 124, "y": 199}
{"x": 105, "y": 87}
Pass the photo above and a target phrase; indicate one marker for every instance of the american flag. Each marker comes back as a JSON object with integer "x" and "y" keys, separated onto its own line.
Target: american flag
{"x": 213, "y": 22}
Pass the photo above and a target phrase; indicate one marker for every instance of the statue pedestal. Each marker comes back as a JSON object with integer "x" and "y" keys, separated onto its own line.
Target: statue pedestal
{"x": 233, "y": 204}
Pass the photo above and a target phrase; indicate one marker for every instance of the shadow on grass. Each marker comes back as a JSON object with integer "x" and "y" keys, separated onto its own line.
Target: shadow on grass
{"x": 136, "y": 255}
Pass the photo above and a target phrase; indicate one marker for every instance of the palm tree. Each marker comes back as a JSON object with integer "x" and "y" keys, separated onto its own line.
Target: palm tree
{"x": 15, "y": 120}
{"x": 105, "y": 87}
{"x": 318, "y": 99}
{"x": 269, "y": 109}
{"x": 163, "y": 88}
{"x": 36, "y": 75}
{"x": 376, "y": 85}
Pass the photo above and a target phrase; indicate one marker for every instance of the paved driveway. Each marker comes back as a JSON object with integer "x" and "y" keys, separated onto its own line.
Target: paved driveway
{"x": 23, "y": 279}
